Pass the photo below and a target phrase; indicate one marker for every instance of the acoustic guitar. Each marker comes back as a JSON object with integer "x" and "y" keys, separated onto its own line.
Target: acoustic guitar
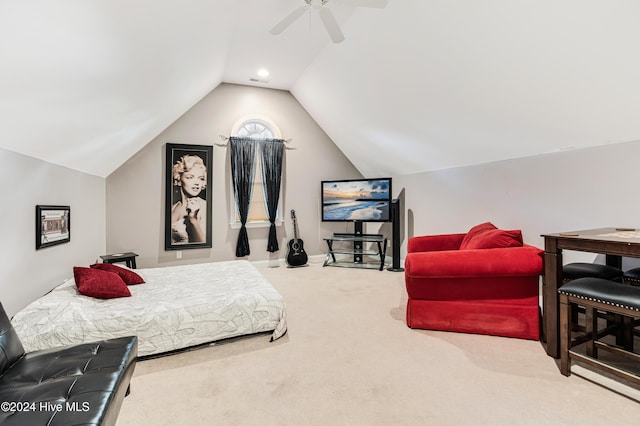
{"x": 296, "y": 255}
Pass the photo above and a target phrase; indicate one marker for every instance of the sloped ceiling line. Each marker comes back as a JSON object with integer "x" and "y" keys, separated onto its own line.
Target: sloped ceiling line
{"x": 416, "y": 86}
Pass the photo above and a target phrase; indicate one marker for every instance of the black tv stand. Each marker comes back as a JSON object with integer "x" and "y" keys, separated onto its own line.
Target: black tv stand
{"x": 353, "y": 246}
{"x": 339, "y": 234}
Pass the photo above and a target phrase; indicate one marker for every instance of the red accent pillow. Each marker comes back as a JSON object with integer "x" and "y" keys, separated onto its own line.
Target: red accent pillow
{"x": 495, "y": 238}
{"x": 128, "y": 276}
{"x": 473, "y": 232}
{"x": 99, "y": 284}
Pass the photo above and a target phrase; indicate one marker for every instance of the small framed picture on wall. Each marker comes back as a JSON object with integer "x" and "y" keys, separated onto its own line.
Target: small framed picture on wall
{"x": 189, "y": 196}
{"x": 53, "y": 225}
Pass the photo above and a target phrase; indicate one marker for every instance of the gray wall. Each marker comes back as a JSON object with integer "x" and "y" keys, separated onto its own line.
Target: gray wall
{"x": 589, "y": 188}
{"x": 549, "y": 193}
{"x": 27, "y": 273}
{"x": 135, "y": 192}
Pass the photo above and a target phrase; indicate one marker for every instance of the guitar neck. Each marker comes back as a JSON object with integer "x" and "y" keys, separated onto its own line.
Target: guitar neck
{"x": 295, "y": 229}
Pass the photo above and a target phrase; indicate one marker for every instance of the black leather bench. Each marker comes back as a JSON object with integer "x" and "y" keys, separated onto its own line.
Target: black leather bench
{"x": 74, "y": 385}
{"x": 597, "y": 294}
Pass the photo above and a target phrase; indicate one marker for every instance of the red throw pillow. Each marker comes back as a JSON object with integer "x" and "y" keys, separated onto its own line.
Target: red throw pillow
{"x": 495, "y": 238}
{"x": 99, "y": 284}
{"x": 128, "y": 276}
{"x": 473, "y": 232}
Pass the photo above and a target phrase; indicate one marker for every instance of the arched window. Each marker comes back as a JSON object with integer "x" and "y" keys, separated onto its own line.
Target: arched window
{"x": 256, "y": 128}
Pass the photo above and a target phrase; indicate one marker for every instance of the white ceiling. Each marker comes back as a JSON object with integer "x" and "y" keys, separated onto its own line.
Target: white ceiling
{"x": 417, "y": 86}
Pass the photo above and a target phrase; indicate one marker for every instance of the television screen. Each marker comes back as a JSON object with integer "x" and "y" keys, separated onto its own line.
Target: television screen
{"x": 366, "y": 200}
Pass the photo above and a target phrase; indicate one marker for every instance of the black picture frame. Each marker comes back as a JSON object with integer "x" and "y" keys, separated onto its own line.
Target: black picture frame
{"x": 184, "y": 225}
{"x": 53, "y": 225}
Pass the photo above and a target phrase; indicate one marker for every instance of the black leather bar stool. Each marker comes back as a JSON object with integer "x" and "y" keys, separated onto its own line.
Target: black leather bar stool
{"x": 596, "y": 295}
{"x": 632, "y": 276}
{"x": 577, "y": 270}
{"x": 573, "y": 271}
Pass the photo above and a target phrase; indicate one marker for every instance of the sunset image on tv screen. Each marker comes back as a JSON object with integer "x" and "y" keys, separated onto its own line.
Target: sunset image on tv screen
{"x": 365, "y": 200}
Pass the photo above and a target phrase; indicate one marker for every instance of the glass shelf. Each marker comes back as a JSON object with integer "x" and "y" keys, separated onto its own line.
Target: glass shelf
{"x": 356, "y": 251}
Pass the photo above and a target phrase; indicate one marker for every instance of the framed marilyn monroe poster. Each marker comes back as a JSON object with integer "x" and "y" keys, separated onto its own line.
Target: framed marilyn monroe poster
{"x": 188, "y": 196}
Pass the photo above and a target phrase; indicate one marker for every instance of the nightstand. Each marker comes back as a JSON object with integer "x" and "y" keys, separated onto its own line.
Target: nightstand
{"x": 129, "y": 258}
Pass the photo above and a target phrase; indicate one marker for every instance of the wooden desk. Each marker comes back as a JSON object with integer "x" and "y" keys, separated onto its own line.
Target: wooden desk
{"x": 612, "y": 242}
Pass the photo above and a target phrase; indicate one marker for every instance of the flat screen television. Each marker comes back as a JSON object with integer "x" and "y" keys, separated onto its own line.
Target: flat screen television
{"x": 356, "y": 200}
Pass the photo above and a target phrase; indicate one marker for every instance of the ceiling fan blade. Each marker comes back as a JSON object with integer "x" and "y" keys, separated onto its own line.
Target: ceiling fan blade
{"x": 378, "y": 4}
{"x": 331, "y": 25}
{"x": 288, "y": 20}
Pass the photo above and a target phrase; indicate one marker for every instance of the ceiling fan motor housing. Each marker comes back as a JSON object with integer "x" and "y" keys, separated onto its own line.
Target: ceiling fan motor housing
{"x": 316, "y": 3}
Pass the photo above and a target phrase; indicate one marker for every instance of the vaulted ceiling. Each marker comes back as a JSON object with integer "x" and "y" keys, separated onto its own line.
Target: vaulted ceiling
{"x": 417, "y": 86}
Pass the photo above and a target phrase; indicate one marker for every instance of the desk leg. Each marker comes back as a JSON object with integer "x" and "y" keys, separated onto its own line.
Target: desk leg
{"x": 613, "y": 260}
{"x": 552, "y": 278}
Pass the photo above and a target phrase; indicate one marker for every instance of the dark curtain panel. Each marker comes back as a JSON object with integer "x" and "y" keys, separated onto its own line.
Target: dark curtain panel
{"x": 272, "y": 154}
{"x": 243, "y": 166}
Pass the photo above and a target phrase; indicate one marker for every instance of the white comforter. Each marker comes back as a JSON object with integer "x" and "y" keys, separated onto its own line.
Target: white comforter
{"x": 177, "y": 307}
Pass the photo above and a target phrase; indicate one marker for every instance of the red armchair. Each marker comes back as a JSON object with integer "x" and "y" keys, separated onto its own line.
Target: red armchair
{"x": 482, "y": 282}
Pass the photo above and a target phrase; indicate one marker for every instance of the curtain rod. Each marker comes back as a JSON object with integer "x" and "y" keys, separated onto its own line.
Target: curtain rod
{"x": 226, "y": 138}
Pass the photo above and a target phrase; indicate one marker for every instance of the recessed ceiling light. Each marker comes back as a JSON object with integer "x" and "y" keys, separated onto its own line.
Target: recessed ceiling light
{"x": 263, "y": 73}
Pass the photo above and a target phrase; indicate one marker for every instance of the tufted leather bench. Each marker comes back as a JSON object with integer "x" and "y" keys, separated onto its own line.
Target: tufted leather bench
{"x": 596, "y": 294}
{"x": 74, "y": 385}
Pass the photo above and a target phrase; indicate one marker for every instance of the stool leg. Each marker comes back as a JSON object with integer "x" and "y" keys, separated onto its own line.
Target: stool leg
{"x": 565, "y": 335}
{"x": 575, "y": 318}
{"x": 591, "y": 324}
{"x": 627, "y": 333}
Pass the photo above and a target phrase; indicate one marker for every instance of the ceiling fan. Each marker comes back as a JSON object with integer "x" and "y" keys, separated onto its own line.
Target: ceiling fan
{"x": 325, "y": 14}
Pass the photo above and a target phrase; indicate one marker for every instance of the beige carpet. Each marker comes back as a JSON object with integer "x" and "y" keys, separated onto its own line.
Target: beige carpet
{"x": 349, "y": 359}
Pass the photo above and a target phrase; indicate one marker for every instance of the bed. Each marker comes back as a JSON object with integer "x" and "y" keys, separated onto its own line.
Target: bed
{"x": 176, "y": 308}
